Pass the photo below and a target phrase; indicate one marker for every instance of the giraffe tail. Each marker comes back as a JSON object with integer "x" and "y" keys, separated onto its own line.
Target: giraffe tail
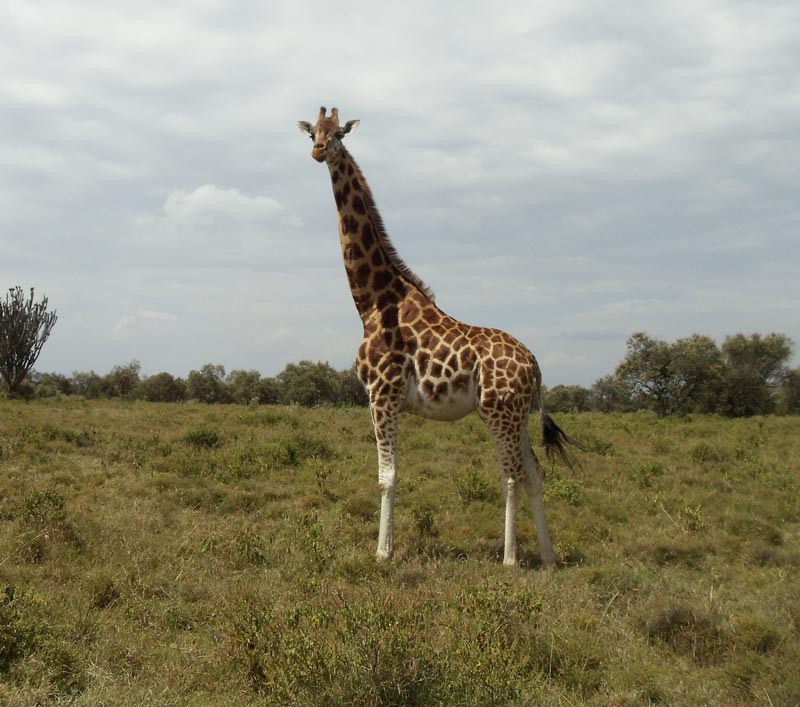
{"x": 554, "y": 439}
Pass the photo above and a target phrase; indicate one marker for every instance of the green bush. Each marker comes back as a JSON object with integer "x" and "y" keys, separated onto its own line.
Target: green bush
{"x": 202, "y": 437}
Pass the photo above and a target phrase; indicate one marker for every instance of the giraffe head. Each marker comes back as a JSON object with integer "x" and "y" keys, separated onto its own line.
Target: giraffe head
{"x": 327, "y": 134}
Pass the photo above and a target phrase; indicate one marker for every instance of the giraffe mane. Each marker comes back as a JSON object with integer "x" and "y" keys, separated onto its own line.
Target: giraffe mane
{"x": 383, "y": 237}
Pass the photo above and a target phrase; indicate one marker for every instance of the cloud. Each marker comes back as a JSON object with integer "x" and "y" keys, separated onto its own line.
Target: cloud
{"x": 209, "y": 205}
{"x": 142, "y": 321}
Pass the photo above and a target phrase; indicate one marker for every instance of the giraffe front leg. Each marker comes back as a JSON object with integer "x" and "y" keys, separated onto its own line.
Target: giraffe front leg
{"x": 385, "y": 423}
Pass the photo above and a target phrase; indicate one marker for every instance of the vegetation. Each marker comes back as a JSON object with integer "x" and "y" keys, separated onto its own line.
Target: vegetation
{"x": 305, "y": 383}
{"x": 163, "y": 554}
{"x": 25, "y": 325}
{"x": 747, "y": 375}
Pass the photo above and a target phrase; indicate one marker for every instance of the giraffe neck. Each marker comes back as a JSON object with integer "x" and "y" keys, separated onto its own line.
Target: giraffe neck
{"x": 375, "y": 271}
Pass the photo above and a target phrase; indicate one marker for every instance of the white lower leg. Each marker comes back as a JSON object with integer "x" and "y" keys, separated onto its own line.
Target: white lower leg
{"x": 386, "y": 528}
{"x": 549, "y": 557}
{"x": 510, "y": 544}
{"x": 534, "y": 489}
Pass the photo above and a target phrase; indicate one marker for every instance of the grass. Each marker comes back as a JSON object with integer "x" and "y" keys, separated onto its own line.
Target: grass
{"x": 222, "y": 555}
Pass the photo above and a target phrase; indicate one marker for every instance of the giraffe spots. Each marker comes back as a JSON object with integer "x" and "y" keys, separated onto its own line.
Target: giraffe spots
{"x": 387, "y": 299}
{"x": 381, "y": 280}
{"x": 377, "y": 258}
{"x": 423, "y": 359}
{"x": 349, "y": 224}
{"x": 358, "y": 203}
{"x": 506, "y": 350}
{"x": 370, "y": 327}
{"x": 461, "y": 381}
{"x": 436, "y": 369}
{"x": 410, "y": 312}
{"x": 441, "y": 352}
{"x": 389, "y": 338}
{"x": 389, "y": 318}
{"x": 427, "y": 339}
{"x": 440, "y": 390}
{"x": 356, "y": 185}
{"x": 367, "y": 236}
{"x": 362, "y": 275}
{"x": 350, "y": 169}
{"x": 352, "y": 251}
{"x": 432, "y": 316}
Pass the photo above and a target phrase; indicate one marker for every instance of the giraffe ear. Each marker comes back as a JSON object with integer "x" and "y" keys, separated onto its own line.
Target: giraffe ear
{"x": 350, "y": 126}
{"x": 305, "y": 127}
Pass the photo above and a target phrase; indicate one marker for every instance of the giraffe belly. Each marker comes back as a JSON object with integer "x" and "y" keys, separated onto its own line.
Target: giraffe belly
{"x": 453, "y": 404}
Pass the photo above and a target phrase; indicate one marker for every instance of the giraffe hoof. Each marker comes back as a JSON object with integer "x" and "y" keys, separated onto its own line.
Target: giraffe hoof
{"x": 550, "y": 561}
{"x": 383, "y": 555}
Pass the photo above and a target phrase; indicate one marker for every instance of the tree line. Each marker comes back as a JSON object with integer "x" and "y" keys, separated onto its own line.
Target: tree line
{"x": 306, "y": 383}
{"x": 746, "y": 375}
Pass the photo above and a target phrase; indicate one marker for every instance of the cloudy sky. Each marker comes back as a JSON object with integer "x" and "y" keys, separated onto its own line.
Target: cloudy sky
{"x": 572, "y": 172}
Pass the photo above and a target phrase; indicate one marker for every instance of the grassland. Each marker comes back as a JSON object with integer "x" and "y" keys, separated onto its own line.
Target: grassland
{"x": 223, "y": 555}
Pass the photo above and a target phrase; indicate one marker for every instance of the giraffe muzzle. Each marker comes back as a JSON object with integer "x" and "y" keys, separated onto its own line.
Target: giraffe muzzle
{"x": 319, "y": 153}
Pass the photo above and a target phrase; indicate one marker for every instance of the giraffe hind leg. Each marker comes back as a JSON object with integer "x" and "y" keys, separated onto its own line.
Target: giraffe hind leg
{"x": 520, "y": 468}
{"x": 534, "y": 489}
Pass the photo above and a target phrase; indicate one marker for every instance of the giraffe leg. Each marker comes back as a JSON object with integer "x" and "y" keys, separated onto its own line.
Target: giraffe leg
{"x": 512, "y": 504}
{"x": 534, "y": 489}
{"x": 510, "y": 431}
{"x": 385, "y": 421}
{"x": 502, "y": 425}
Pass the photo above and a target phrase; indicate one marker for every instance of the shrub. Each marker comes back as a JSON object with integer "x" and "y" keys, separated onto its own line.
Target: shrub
{"x": 473, "y": 486}
{"x": 689, "y": 632}
{"x": 202, "y": 437}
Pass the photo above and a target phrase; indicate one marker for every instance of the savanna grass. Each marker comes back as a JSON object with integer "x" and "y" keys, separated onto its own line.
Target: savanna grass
{"x": 155, "y": 554}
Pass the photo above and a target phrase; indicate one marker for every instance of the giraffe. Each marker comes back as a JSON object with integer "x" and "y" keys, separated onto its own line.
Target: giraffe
{"x": 416, "y": 358}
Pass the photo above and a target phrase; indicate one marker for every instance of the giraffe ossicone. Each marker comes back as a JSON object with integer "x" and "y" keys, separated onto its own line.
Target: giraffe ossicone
{"x": 416, "y": 358}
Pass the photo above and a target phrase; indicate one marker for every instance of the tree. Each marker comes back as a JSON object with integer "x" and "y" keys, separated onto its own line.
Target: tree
{"x": 122, "y": 380}
{"x": 697, "y": 368}
{"x": 90, "y": 384}
{"x": 646, "y": 371}
{"x": 50, "y": 385}
{"x": 568, "y": 398}
{"x": 755, "y": 368}
{"x": 208, "y": 385}
{"x": 24, "y": 328}
{"x": 610, "y": 394}
{"x": 790, "y": 393}
{"x": 162, "y": 388}
{"x": 678, "y": 378}
{"x": 244, "y": 386}
{"x": 308, "y": 384}
{"x": 351, "y": 391}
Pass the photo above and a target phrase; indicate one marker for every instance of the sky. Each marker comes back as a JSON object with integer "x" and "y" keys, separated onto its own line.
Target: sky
{"x": 570, "y": 172}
